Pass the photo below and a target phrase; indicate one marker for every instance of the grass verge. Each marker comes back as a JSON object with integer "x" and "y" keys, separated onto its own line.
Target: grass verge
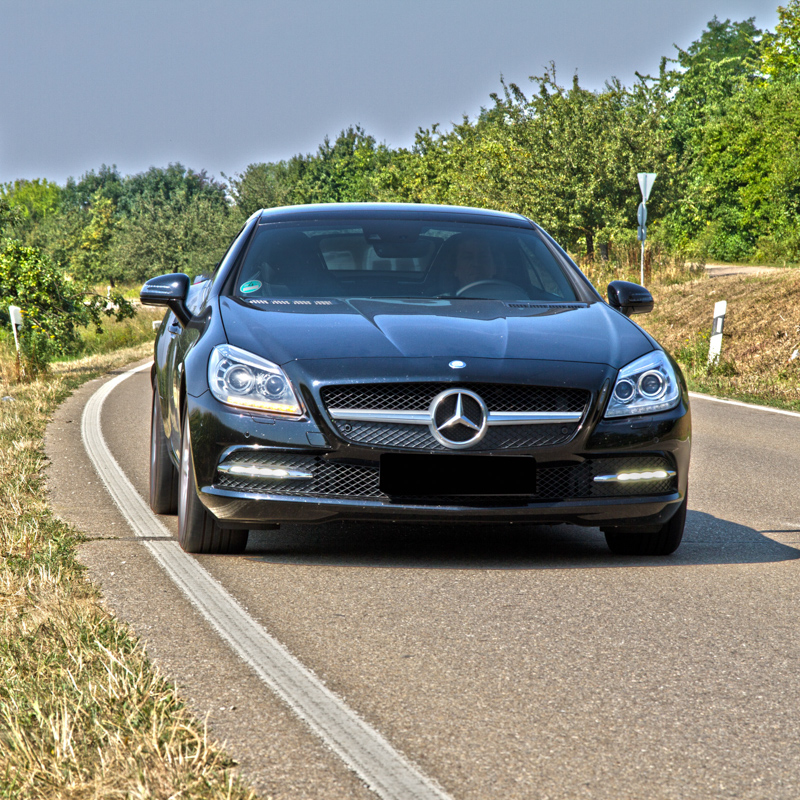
{"x": 83, "y": 713}
{"x": 760, "y": 360}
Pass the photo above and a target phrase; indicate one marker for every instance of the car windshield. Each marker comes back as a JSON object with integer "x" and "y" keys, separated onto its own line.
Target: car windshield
{"x": 400, "y": 258}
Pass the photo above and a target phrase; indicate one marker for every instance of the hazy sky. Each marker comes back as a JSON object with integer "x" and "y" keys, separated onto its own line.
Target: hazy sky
{"x": 219, "y": 85}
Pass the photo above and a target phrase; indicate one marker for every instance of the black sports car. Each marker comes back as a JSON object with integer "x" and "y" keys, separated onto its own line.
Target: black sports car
{"x": 411, "y": 362}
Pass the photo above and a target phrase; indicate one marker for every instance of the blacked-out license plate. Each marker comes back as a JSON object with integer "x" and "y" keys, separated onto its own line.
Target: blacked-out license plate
{"x": 423, "y": 474}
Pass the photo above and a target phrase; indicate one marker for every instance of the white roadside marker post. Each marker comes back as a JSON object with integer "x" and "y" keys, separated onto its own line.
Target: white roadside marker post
{"x": 646, "y": 181}
{"x": 715, "y": 343}
{"x": 15, "y": 312}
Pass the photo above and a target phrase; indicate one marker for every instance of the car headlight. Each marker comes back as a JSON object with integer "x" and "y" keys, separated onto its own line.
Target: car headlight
{"x": 239, "y": 378}
{"x": 645, "y": 386}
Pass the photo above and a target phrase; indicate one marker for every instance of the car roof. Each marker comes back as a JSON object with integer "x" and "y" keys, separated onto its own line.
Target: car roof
{"x": 420, "y": 211}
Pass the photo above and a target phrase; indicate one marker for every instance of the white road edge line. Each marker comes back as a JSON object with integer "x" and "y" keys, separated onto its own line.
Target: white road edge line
{"x": 713, "y": 399}
{"x": 365, "y": 751}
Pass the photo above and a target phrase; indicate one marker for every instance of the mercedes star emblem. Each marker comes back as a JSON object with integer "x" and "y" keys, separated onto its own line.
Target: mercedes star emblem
{"x": 458, "y": 418}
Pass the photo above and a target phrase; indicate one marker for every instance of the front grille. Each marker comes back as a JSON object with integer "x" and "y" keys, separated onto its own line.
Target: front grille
{"x": 341, "y": 479}
{"x": 418, "y": 437}
{"x": 418, "y": 397}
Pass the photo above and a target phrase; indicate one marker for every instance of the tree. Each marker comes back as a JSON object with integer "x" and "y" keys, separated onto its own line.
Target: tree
{"x": 187, "y": 234}
{"x": 716, "y": 70}
{"x": 172, "y": 184}
{"x": 35, "y": 199}
{"x": 467, "y": 165}
{"x": 709, "y": 72}
{"x": 340, "y": 172}
{"x": 573, "y": 154}
{"x": 9, "y": 215}
{"x": 53, "y": 307}
{"x": 781, "y": 57}
{"x": 747, "y": 176}
{"x": 264, "y": 186}
{"x": 80, "y": 194}
{"x": 90, "y": 260}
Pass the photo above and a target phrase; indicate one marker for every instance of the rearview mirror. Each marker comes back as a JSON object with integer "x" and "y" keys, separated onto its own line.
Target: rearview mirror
{"x": 171, "y": 291}
{"x": 629, "y": 298}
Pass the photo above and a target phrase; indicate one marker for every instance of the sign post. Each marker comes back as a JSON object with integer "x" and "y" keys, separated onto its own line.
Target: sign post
{"x": 646, "y": 181}
{"x": 15, "y": 312}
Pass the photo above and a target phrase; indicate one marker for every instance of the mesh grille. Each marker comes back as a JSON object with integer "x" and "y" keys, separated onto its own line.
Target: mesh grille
{"x": 418, "y": 437}
{"x": 418, "y": 396}
{"x": 359, "y": 481}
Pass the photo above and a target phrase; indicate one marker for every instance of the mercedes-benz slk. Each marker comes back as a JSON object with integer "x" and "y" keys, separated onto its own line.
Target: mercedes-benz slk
{"x": 411, "y": 363}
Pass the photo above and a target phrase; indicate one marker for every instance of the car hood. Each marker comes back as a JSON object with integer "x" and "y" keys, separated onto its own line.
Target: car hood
{"x": 289, "y": 330}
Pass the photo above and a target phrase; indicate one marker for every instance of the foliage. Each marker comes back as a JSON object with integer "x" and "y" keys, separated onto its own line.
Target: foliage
{"x": 781, "y": 59}
{"x": 338, "y": 172}
{"x": 172, "y": 185}
{"x": 185, "y": 234}
{"x": 107, "y": 181}
{"x": 90, "y": 260}
{"x": 53, "y": 307}
{"x": 9, "y": 215}
{"x": 34, "y": 199}
{"x": 748, "y": 176}
{"x": 707, "y": 74}
{"x": 262, "y": 186}
{"x": 575, "y": 154}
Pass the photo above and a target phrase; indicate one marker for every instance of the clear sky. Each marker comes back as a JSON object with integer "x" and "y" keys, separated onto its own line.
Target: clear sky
{"x": 219, "y": 85}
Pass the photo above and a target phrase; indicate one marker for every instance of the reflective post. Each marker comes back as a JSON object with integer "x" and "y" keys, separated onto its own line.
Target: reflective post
{"x": 15, "y": 312}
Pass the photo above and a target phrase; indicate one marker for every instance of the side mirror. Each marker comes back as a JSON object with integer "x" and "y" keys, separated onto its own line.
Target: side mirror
{"x": 171, "y": 291}
{"x": 629, "y": 298}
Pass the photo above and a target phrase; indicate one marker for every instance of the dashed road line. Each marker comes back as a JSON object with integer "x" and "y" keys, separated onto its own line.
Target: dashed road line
{"x": 364, "y": 750}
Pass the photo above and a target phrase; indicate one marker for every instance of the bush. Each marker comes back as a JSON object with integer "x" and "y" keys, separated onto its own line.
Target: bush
{"x": 53, "y": 307}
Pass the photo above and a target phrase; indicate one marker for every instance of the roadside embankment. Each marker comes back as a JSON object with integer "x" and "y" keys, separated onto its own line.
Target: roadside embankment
{"x": 760, "y": 360}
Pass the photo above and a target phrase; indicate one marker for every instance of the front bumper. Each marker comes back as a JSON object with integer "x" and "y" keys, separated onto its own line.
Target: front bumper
{"x": 219, "y": 432}
{"x": 249, "y": 510}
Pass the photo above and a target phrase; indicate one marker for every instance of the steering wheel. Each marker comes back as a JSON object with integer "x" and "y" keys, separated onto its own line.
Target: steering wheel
{"x": 520, "y": 293}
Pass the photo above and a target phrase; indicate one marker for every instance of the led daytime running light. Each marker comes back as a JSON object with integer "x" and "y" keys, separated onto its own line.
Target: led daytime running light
{"x": 626, "y": 477}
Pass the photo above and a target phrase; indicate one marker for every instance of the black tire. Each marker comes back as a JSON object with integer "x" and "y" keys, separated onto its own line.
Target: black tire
{"x": 660, "y": 542}
{"x": 198, "y": 529}
{"x": 163, "y": 474}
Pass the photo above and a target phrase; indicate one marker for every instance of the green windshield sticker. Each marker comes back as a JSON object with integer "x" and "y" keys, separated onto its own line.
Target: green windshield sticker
{"x": 249, "y": 287}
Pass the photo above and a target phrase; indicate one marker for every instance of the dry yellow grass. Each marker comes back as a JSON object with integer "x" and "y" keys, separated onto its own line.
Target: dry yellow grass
{"x": 83, "y": 713}
{"x": 761, "y": 344}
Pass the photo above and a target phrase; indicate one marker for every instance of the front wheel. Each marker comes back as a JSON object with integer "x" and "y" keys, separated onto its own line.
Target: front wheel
{"x": 198, "y": 529}
{"x": 163, "y": 475}
{"x": 660, "y": 542}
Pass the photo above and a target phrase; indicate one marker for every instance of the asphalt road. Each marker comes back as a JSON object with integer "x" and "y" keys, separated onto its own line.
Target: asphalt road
{"x": 504, "y": 661}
